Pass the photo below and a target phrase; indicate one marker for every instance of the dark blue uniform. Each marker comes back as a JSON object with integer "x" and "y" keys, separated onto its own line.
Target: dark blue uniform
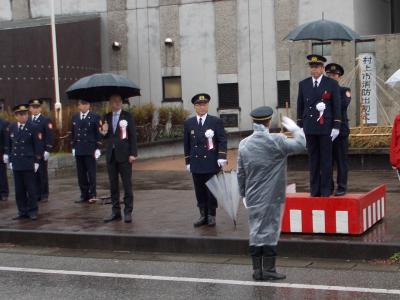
{"x": 23, "y": 149}
{"x": 203, "y": 162}
{"x": 46, "y": 135}
{"x": 3, "y": 167}
{"x": 319, "y": 142}
{"x": 85, "y": 139}
{"x": 341, "y": 143}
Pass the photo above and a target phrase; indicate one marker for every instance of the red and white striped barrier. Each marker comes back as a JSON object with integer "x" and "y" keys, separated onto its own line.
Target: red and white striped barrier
{"x": 348, "y": 214}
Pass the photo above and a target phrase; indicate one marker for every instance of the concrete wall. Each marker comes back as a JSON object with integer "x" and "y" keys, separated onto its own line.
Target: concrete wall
{"x": 372, "y": 16}
{"x": 5, "y": 10}
{"x": 41, "y": 8}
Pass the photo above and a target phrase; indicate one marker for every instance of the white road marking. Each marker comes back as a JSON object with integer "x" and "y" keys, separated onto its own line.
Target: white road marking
{"x": 207, "y": 280}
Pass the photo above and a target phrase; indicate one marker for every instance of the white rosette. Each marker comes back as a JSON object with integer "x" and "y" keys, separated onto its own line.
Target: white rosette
{"x": 123, "y": 124}
{"x": 209, "y": 135}
{"x": 321, "y": 108}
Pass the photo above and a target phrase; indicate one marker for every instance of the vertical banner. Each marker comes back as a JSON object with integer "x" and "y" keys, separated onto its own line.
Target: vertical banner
{"x": 368, "y": 108}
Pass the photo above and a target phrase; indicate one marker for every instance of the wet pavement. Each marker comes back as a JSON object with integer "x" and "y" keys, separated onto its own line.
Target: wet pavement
{"x": 164, "y": 205}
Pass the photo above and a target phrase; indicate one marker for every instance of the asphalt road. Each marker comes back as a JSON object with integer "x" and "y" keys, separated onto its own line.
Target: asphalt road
{"x": 100, "y": 275}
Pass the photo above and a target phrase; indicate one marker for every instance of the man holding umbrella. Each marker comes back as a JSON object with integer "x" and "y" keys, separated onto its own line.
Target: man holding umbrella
{"x": 262, "y": 162}
{"x": 119, "y": 130}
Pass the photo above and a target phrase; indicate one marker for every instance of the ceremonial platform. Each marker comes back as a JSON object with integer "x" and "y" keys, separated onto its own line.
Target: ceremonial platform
{"x": 350, "y": 214}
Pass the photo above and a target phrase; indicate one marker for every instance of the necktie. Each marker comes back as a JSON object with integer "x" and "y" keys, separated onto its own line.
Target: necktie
{"x": 21, "y": 127}
{"x": 315, "y": 84}
{"x": 115, "y": 121}
{"x": 200, "y": 122}
{"x": 83, "y": 116}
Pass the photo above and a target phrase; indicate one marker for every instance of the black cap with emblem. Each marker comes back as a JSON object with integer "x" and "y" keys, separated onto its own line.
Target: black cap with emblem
{"x": 334, "y": 68}
{"x": 315, "y": 59}
{"x": 20, "y": 108}
{"x": 201, "y": 98}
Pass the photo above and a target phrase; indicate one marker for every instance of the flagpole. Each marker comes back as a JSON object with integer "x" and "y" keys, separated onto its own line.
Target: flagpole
{"x": 57, "y": 103}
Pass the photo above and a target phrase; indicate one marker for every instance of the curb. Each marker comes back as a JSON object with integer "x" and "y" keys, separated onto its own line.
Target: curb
{"x": 198, "y": 245}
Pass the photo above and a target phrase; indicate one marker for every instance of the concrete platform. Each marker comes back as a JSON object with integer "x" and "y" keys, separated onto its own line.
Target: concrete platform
{"x": 164, "y": 209}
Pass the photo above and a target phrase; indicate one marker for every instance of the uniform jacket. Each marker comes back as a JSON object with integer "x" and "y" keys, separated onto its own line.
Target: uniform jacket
{"x": 395, "y": 143}
{"x": 85, "y": 134}
{"x": 345, "y": 97}
{"x": 3, "y": 134}
{"x": 23, "y": 147}
{"x": 122, "y": 147}
{"x": 45, "y": 127}
{"x": 307, "y": 113}
{"x": 201, "y": 159}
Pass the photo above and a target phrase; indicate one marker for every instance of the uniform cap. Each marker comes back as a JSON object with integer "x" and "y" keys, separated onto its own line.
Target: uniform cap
{"x": 315, "y": 59}
{"x": 201, "y": 98}
{"x": 334, "y": 68}
{"x": 20, "y": 108}
{"x": 262, "y": 113}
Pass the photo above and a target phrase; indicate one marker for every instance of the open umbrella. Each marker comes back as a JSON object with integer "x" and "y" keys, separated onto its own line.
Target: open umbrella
{"x": 225, "y": 188}
{"x": 323, "y": 30}
{"x": 394, "y": 79}
{"x": 98, "y": 87}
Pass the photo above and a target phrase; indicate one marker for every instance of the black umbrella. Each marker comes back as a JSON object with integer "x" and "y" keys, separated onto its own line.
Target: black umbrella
{"x": 98, "y": 87}
{"x": 323, "y": 30}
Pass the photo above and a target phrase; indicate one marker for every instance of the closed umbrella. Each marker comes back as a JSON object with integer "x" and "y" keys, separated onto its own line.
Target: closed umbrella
{"x": 225, "y": 188}
{"x": 98, "y": 87}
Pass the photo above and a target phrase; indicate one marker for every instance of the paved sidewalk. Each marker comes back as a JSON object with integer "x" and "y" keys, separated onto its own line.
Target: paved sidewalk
{"x": 164, "y": 207}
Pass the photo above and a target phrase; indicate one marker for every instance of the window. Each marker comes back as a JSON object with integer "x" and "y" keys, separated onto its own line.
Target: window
{"x": 172, "y": 89}
{"x": 228, "y": 95}
{"x": 283, "y": 93}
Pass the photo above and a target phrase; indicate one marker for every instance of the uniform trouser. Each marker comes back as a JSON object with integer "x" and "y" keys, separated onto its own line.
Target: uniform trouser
{"x": 3, "y": 180}
{"x": 123, "y": 169}
{"x": 340, "y": 148}
{"x": 319, "y": 149}
{"x": 205, "y": 199}
{"x": 42, "y": 181}
{"x": 25, "y": 193}
{"x": 265, "y": 250}
{"x": 86, "y": 168}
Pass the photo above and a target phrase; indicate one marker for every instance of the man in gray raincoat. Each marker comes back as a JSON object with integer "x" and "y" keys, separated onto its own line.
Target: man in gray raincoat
{"x": 262, "y": 161}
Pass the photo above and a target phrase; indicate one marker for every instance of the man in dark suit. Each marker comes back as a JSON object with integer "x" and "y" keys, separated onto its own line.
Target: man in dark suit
{"x": 205, "y": 154}
{"x": 45, "y": 128}
{"x": 86, "y": 142}
{"x": 341, "y": 143}
{"x": 23, "y": 152}
{"x": 3, "y": 167}
{"x": 318, "y": 112}
{"x": 119, "y": 130}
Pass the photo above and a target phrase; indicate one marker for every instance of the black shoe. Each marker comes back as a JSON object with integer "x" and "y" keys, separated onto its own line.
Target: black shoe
{"x": 315, "y": 195}
{"x": 340, "y": 193}
{"x": 113, "y": 217}
{"x": 128, "y": 218}
{"x": 269, "y": 271}
{"x": 19, "y": 217}
{"x": 80, "y": 201}
{"x": 202, "y": 220}
{"x": 33, "y": 217}
{"x": 211, "y": 222}
{"x": 257, "y": 267}
{"x": 44, "y": 199}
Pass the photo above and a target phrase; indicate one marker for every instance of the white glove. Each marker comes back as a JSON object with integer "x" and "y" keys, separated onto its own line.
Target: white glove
{"x": 188, "y": 168}
{"x": 36, "y": 165}
{"x": 10, "y": 166}
{"x": 222, "y": 162}
{"x": 97, "y": 154}
{"x": 289, "y": 124}
{"x": 334, "y": 133}
{"x": 73, "y": 152}
{"x": 5, "y": 158}
{"x": 46, "y": 155}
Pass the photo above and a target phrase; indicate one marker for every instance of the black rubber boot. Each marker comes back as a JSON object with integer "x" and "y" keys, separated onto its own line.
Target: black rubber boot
{"x": 211, "y": 221}
{"x": 269, "y": 270}
{"x": 202, "y": 220}
{"x": 257, "y": 267}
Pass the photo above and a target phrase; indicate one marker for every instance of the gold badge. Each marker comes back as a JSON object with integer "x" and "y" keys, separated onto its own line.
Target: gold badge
{"x": 314, "y": 59}
{"x": 201, "y": 98}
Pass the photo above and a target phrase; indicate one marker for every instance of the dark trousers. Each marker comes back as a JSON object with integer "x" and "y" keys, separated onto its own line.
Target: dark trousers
{"x": 42, "y": 181}
{"x": 86, "y": 167}
{"x": 319, "y": 149}
{"x": 205, "y": 199}
{"x": 25, "y": 193}
{"x": 265, "y": 250}
{"x": 123, "y": 169}
{"x": 3, "y": 180}
{"x": 340, "y": 148}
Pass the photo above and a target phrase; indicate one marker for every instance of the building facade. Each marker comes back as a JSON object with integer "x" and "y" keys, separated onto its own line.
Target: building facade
{"x": 232, "y": 49}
